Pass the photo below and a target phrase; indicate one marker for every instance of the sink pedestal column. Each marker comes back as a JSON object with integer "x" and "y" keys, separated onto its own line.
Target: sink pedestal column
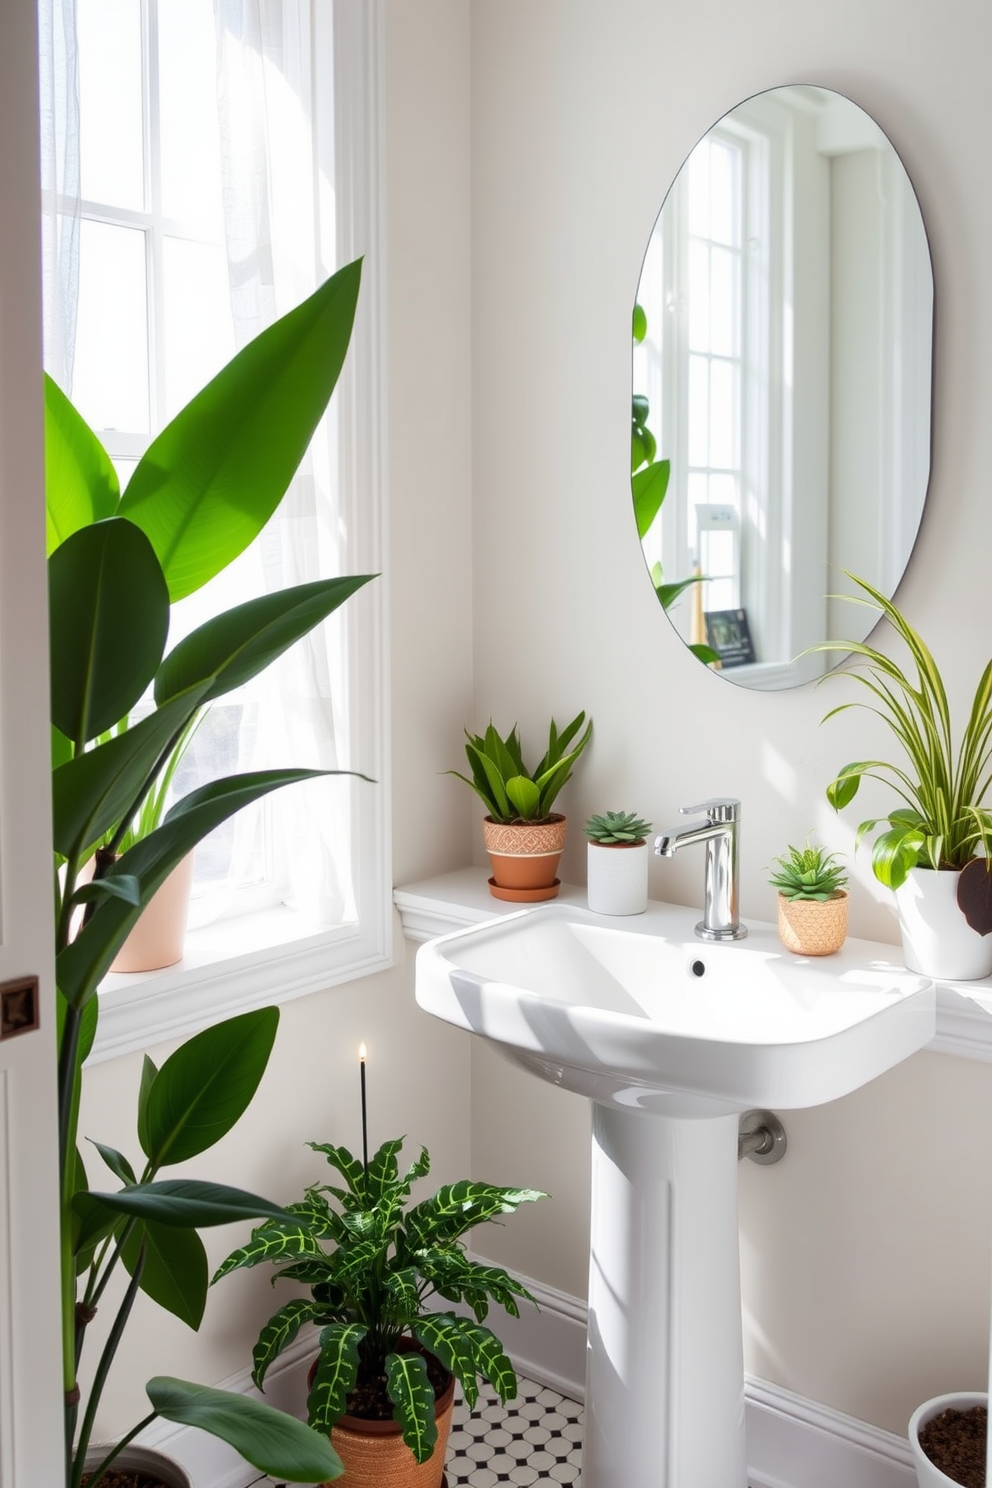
{"x": 664, "y": 1364}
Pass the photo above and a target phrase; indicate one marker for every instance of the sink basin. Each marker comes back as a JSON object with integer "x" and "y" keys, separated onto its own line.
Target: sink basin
{"x": 647, "y": 1017}
{"x": 672, "y": 1040}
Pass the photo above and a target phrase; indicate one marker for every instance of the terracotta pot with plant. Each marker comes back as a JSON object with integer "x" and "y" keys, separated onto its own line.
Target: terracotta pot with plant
{"x": 204, "y": 489}
{"x": 524, "y": 837}
{"x": 617, "y": 863}
{"x": 383, "y": 1381}
{"x": 936, "y": 849}
{"x": 812, "y": 900}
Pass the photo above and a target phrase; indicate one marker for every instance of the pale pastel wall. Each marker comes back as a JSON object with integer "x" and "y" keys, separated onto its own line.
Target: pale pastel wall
{"x": 581, "y": 116}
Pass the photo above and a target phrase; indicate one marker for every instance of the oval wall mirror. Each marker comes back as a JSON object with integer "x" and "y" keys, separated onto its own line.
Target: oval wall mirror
{"x": 782, "y": 381}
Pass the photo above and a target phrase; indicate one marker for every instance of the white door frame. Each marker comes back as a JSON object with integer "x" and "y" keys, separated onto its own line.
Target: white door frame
{"x": 31, "y": 1450}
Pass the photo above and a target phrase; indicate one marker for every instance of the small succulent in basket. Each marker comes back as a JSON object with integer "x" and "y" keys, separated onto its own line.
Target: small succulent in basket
{"x": 808, "y": 873}
{"x": 373, "y": 1264}
{"x": 812, "y": 900}
{"x": 617, "y": 829}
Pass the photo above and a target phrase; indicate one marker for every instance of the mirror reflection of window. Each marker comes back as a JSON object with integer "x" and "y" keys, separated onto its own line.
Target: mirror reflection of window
{"x": 788, "y": 297}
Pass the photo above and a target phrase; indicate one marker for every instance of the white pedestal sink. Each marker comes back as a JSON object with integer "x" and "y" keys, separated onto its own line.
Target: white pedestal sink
{"x": 672, "y": 1040}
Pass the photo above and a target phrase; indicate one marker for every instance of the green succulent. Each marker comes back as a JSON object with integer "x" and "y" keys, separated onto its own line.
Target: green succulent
{"x": 510, "y": 791}
{"x": 373, "y": 1265}
{"x": 808, "y": 873}
{"x": 617, "y": 829}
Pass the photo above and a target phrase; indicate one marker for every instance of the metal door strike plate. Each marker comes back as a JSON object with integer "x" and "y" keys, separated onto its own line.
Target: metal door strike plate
{"x": 19, "y": 1006}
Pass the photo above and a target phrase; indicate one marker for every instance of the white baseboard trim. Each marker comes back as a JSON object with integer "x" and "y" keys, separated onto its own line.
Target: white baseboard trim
{"x": 792, "y": 1442}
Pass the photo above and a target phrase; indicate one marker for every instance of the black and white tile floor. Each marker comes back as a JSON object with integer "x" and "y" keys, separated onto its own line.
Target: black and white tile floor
{"x": 534, "y": 1439}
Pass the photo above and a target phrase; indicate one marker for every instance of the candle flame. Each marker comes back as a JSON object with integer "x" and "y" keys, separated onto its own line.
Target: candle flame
{"x": 362, "y": 1053}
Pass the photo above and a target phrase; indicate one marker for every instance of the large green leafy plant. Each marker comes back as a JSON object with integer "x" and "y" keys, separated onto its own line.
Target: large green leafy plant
{"x": 373, "y": 1264}
{"x": 510, "y": 791}
{"x": 943, "y": 784}
{"x": 205, "y": 488}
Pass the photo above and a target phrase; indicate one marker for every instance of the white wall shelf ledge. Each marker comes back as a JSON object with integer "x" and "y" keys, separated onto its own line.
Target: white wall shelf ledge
{"x": 436, "y": 906}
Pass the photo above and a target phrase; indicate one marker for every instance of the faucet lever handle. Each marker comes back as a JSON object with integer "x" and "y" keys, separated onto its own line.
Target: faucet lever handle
{"x": 717, "y": 809}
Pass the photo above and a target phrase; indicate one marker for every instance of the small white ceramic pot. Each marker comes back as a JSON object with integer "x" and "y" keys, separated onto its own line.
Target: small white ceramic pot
{"x": 927, "y": 1475}
{"x": 617, "y": 878}
{"x": 936, "y": 938}
{"x": 143, "y": 1459}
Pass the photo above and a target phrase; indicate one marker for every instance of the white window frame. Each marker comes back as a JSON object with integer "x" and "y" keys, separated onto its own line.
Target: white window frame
{"x": 271, "y": 957}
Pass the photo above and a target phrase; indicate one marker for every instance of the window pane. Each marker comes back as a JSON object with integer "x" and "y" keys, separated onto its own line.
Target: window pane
{"x": 699, "y": 296}
{"x": 190, "y": 146}
{"x": 198, "y": 337}
{"x": 722, "y": 415}
{"x": 110, "y": 377}
{"x": 699, "y": 411}
{"x": 110, "y": 103}
{"x": 723, "y": 266}
{"x": 699, "y": 190}
{"x": 723, "y": 193}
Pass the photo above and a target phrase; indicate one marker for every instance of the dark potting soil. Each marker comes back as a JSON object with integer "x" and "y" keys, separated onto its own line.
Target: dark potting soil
{"x": 955, "y": 1442}
{"x": 125, "y": 1477}
{"x": 369, "y": 1401}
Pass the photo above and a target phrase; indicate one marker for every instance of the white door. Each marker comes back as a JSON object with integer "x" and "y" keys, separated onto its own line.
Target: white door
{"x": 31, "y": 1452}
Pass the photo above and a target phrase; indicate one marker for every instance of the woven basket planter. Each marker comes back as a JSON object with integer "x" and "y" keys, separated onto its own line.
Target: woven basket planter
{"x": 376, "y": 1456}
{"x": 813, "y": 927}
{"x": 524, "y": 857}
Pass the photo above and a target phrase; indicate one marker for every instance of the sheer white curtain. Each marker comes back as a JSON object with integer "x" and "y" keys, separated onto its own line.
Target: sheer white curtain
{"x": 272, "y": 183}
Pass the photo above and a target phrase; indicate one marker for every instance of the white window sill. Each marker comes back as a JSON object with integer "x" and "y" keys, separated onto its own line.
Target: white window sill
{"x": 437, "y": 906}
{"x": 229, "y": 967}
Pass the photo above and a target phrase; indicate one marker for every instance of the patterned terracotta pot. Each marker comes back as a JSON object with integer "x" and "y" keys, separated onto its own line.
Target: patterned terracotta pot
{"x": 813, "y": 927}
{"x": 524, "y": 858}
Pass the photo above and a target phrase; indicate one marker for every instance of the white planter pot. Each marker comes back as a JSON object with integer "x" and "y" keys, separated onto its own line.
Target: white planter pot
{"x": 143, "y": 1459}
{"x": 936, "y": 938}
{"x": 617, "y": 878}
{"x": 927, "y": 1475}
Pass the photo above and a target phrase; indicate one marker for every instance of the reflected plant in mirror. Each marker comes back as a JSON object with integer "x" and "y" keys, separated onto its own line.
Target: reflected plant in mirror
{"x": 781, "y": 381}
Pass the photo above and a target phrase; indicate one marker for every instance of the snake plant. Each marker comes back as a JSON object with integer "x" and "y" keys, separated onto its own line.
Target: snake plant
{"x": 508, "y": 789}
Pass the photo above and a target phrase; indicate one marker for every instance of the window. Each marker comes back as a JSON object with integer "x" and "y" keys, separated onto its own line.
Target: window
{"x": 215, "y": 152}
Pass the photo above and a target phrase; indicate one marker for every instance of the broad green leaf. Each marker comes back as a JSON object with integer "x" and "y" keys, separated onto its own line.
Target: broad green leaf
{"x": 276, "y": 1243}
{"x": 278, "y": 1334}
{"x": 403, "y": 1287}
{"x": 188, "y": 1202}
{"x": 525, "y": 796}
{"x": 457, "y": 1207}
{"x": 410, "y": 1391}
{"x": 98, "y": 789}
{"x": 341, "y": 1160}
{"x": 383, "y": 1171}
{"x": 640, "y": 324}
{"x": 337, "y": 1368}
{"x": 206, "y": 1085}
{"x": 704, "y": 653}
{"x": 108, "y": 620}
{"x": 271, "y": 1441}
{"x": 149, "y": 1073}
{"x": 61, "y": 748}
{"x": 230, "y": 649}
{"x": 122, "y": 886}
{"x": 491, "y": 1361}
{"x": 895, "y": 853}
{"x": 209, "y": 482}
{"x": 441, "y": 1334}
{"x": 91, "y": 1222}
{"x": 175, "y": 1268}
{"x": 116, "y": 1162}
{"x": 842, "y": 790}
{"x": 80, "y": 481}
{"x": 649, "y": 488}
{"x": 669, "y": 593}
{"x": 81, "y": 965}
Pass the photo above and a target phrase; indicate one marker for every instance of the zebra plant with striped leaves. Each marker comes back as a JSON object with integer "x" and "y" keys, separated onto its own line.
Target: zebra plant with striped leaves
{"x": 375, "y": 1266}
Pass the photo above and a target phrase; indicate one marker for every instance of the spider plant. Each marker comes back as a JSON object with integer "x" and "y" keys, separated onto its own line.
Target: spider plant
{"x": 942, "y": 823}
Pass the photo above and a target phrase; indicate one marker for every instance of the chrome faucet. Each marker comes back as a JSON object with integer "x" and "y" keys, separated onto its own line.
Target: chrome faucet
{"x": 719, "y": 829}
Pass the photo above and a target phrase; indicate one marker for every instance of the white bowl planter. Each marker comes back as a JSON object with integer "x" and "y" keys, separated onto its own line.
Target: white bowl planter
{"x": 143, "y": 1459}
{"x": 927, "y": 1475}
{"x": 936, "y": 938}
{"x": 617, "y": 878}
